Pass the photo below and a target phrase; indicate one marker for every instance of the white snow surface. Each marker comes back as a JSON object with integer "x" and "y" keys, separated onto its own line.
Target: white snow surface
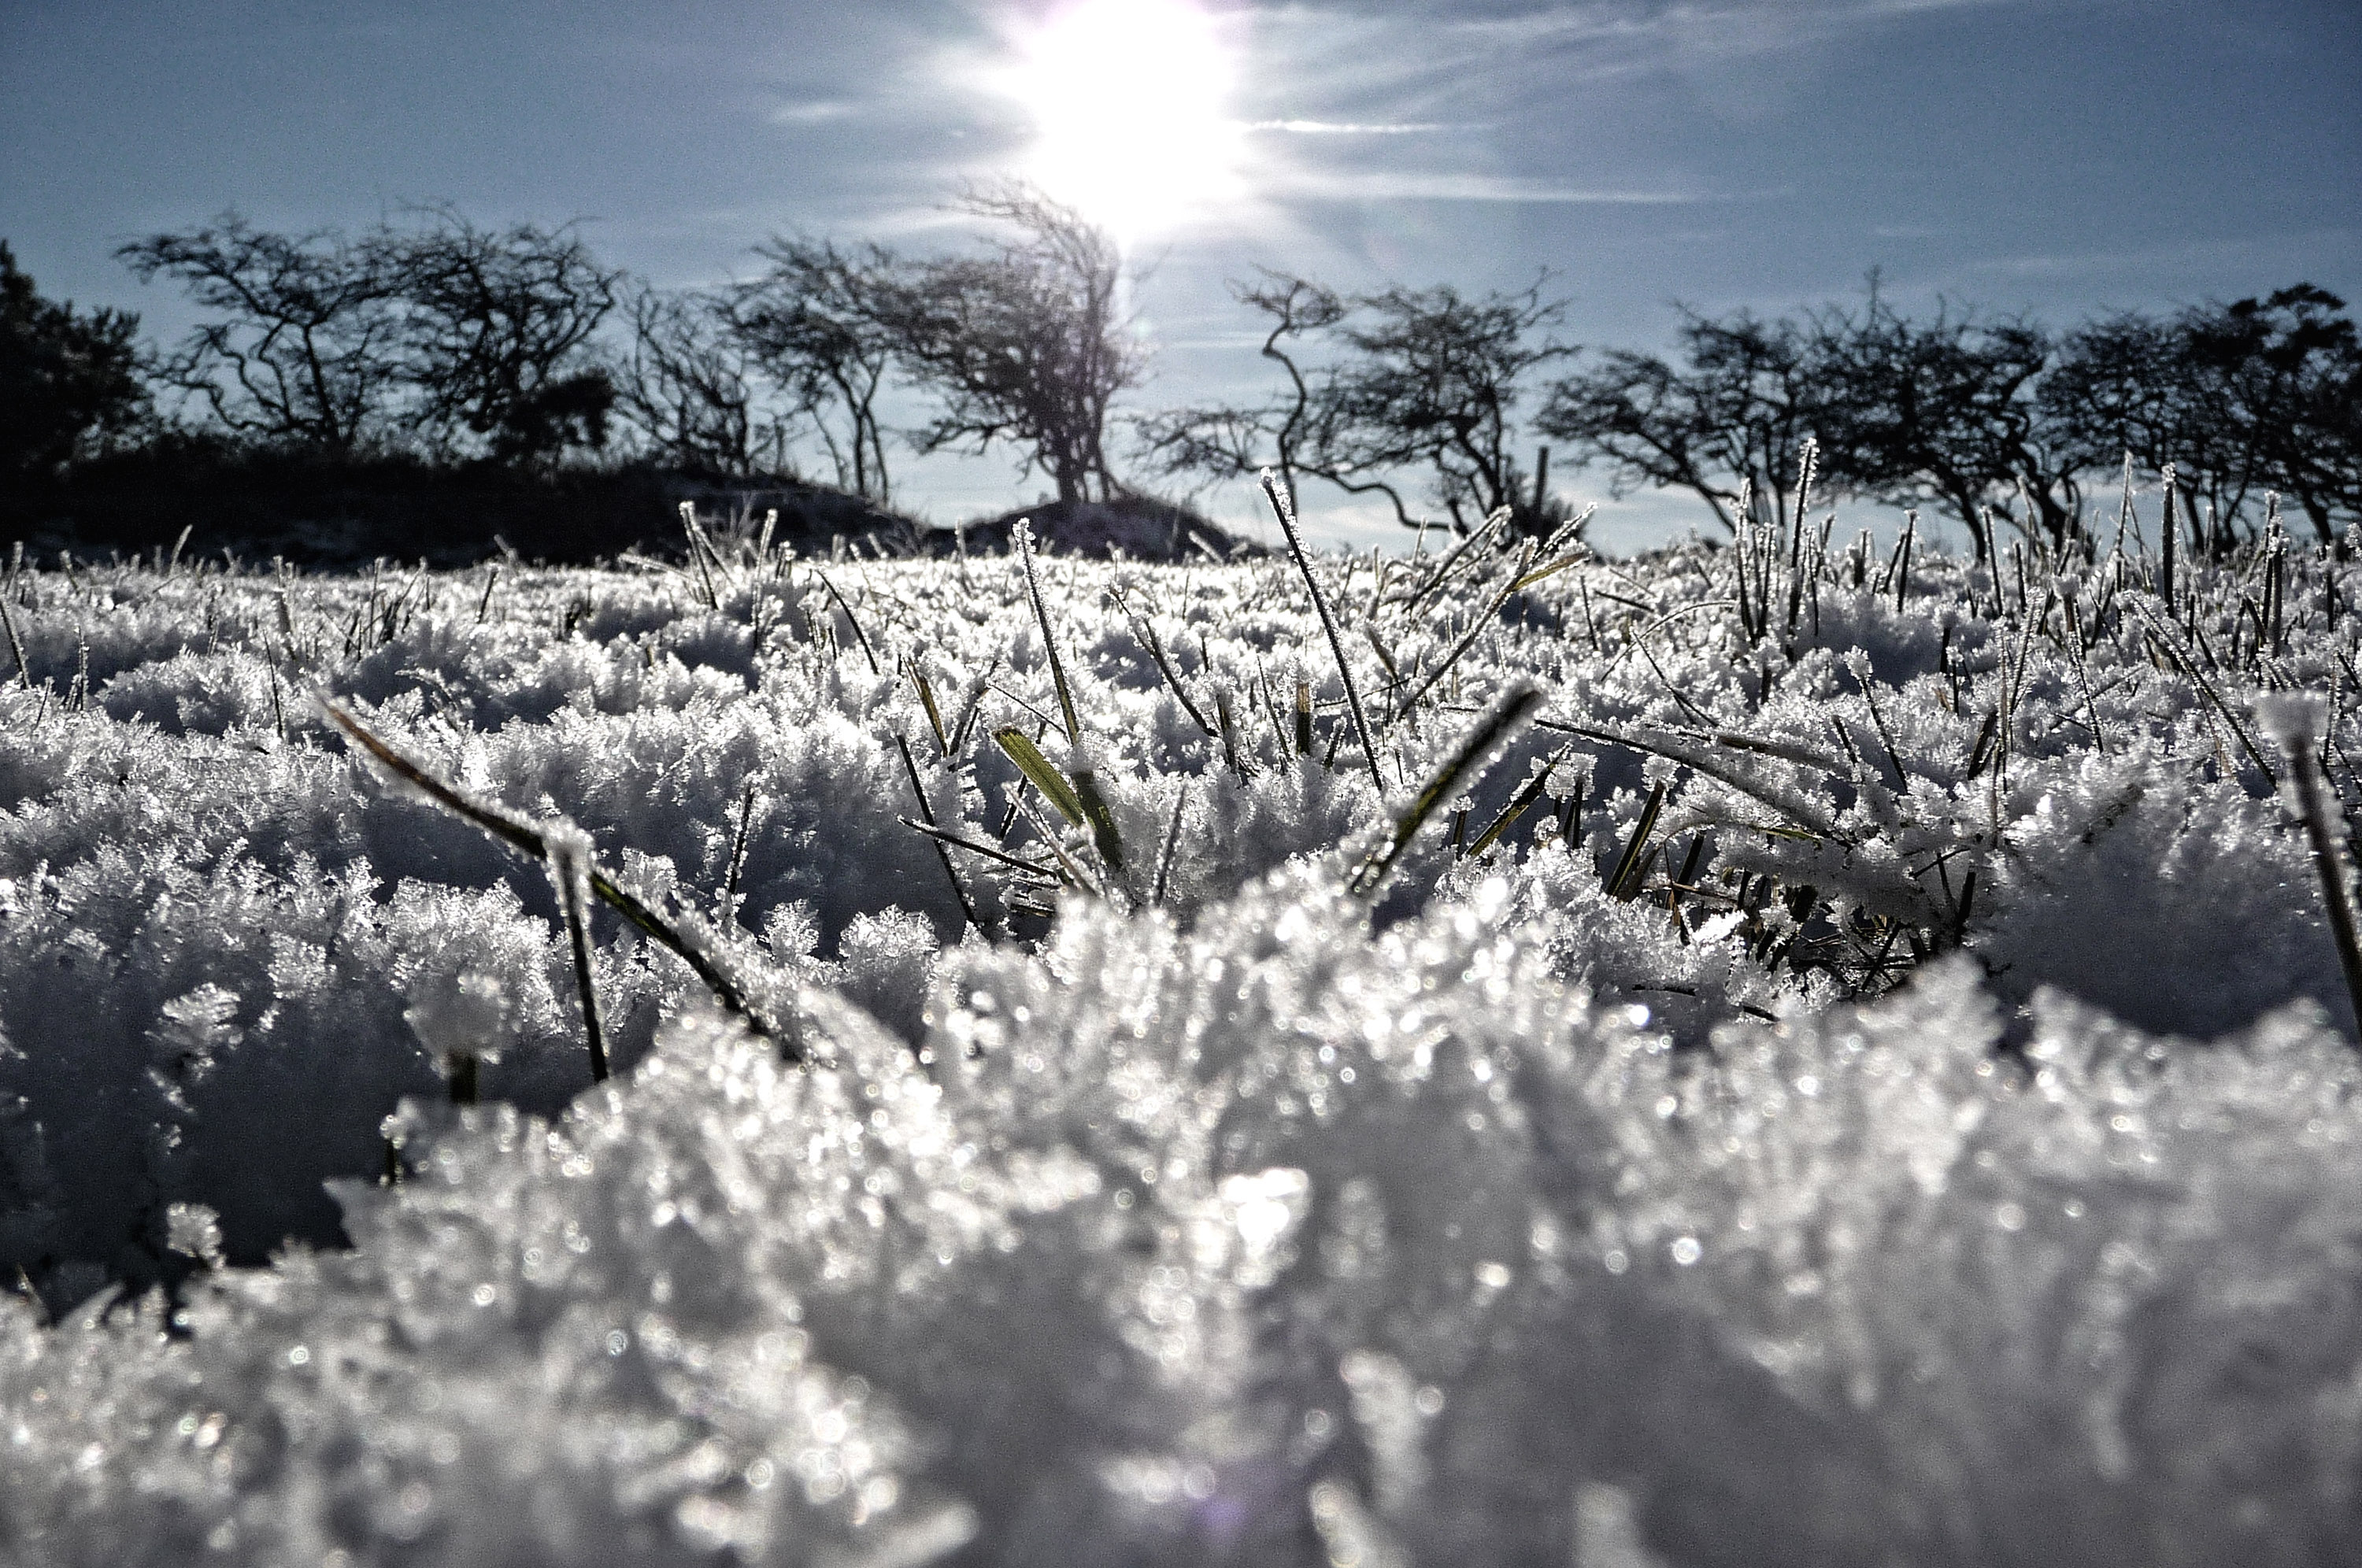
{"x": 1803, "y": 1208}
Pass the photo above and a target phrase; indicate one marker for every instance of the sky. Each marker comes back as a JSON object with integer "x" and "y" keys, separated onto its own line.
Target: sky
{"x": 2058, "y": 157}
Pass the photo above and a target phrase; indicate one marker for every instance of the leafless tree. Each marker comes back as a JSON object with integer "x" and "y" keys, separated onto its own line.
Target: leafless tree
{"x": 1737, "y": 410}
{"x": 495, "y": 329}
{"x": 1943, "y": 408}
{"x": 1418, "y": 381}
{"x": 821, "y": 326}
{"x": 2263, "y": 393}
{"x": 690, "y": 387}
{"x": 1026, "y": 343}
{"x": 308, "y": 347}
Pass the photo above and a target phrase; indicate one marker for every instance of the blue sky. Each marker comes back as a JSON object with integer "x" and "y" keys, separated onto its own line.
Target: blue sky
{"x": 2058, "y": 156}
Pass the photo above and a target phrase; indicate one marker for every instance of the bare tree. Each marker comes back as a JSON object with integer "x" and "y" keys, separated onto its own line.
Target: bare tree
{"x": 1025, "y": 344}
{"x": 1227, "y": 440}
{"x": 495, "y": 326}
{"x": 821, "y": 324}
{"x": 1739, "y": 411}
{"x": 1903, "y": 410}
{"x": 689, "y": 385}
{"x": 308, "y": 347}
{"x": 2125, "y": 386}
{"x": 1433, "y": 382}
{"x": 1421, "y": 380}
{"x": 2287, "y": 368}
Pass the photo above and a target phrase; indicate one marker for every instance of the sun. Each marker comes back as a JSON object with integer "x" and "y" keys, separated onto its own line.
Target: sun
{"x": 1128, "y": 99}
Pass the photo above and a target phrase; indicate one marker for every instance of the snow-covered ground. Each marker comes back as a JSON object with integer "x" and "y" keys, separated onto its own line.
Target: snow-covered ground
{"x": 1927, "y": 1135}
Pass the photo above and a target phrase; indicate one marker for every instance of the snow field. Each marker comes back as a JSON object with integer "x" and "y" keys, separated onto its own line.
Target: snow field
{"x": 1788, "y": 1199}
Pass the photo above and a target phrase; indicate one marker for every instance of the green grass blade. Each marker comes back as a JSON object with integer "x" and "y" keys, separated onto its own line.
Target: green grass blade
{"x": 1102, "y": 820}
{"x": 1042, "y": 773}
{"x": 1490, "y": 730}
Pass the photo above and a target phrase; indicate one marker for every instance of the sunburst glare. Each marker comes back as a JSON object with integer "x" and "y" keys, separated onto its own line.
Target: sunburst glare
{"x": 1129, "y": 102}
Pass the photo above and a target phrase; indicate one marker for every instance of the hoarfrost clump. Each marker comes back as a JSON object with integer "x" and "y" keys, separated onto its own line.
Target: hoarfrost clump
{"x": 1229, "y": 1242}
{"x": 1861, "y": 1078}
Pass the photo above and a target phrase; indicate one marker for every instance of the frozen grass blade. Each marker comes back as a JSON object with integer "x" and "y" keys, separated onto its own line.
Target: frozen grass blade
{"x": 1024, "y": 537}
{"x": 1458, "y": 555}
{"x": 974, "y": 847}
{"x": 530, "y": 842}
{"x": 1476, "y": 626}
{"x": 1104, "y": 836}
{"x": 927, "y": 701}
{"x": 568, "y": 863}
{"x": 1285, "y": 507}
{"x": 2290, "y": 721}
{"x": 1230, "y": 739}
{"x": 2173, "y": 649}
{"x": 15, "y": 647}
{"x": 1145, "y": 633}
{"x": 1075, "y": 875}
{"x": 1624, "y": 881}
{"x": 919, "y": 793}
{"x": 1172, "y": 842}
{"x": 1495, "y": 726}
{"x": 1083, "y": 792}
{"x": 738, "y": 850}
{"x": 855, "y": 621}
{"x": 1519, "y": 806}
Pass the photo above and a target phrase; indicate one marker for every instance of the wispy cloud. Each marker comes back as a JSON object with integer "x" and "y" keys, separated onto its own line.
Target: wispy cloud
{"x": 812, "y": 112}
{"x": 1422, "y": 53}
{"x": 1396, "y": 185}
{"x": 1351, "y": 127}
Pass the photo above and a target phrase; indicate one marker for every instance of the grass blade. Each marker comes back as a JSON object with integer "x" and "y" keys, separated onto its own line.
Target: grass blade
{"x": 1024, "y": 536}
{"x": 1519, "y": 806}
{"x": 1042, "y": 773}
{"x": 1285, "y": 508}
{"x": 943, "y": 835}
{"x": 531, "y": 842}
{"x": 2290, "y": 721}
{"x": 568, "y": 864}
{"x": 927, "y": 701}
{"x": 919, "y": 793}
{"x": 853, "y": 620}
{"x": 1094, "y": 811}
{"x": 1172, "y": 842}
{"x": 1490, "y": 730}
{"x": 1623, "y": 882}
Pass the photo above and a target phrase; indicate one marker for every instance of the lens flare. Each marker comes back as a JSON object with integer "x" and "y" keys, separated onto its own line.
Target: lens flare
{"x": 1128, "y": 100}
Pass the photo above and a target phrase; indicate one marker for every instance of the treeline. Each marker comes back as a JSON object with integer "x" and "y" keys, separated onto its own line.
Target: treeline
{"x": 438, "y": 347}
{"x": 1997, "y": 421}
{"x": 452, "y": 345}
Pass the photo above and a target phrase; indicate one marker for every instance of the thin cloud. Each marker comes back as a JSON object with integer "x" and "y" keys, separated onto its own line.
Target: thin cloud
{"x": 1391, "y": 186}
{"x": 1349, "y": 128}
{"x": 818, "y": 111}
{"x": 1399, "y": 49}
